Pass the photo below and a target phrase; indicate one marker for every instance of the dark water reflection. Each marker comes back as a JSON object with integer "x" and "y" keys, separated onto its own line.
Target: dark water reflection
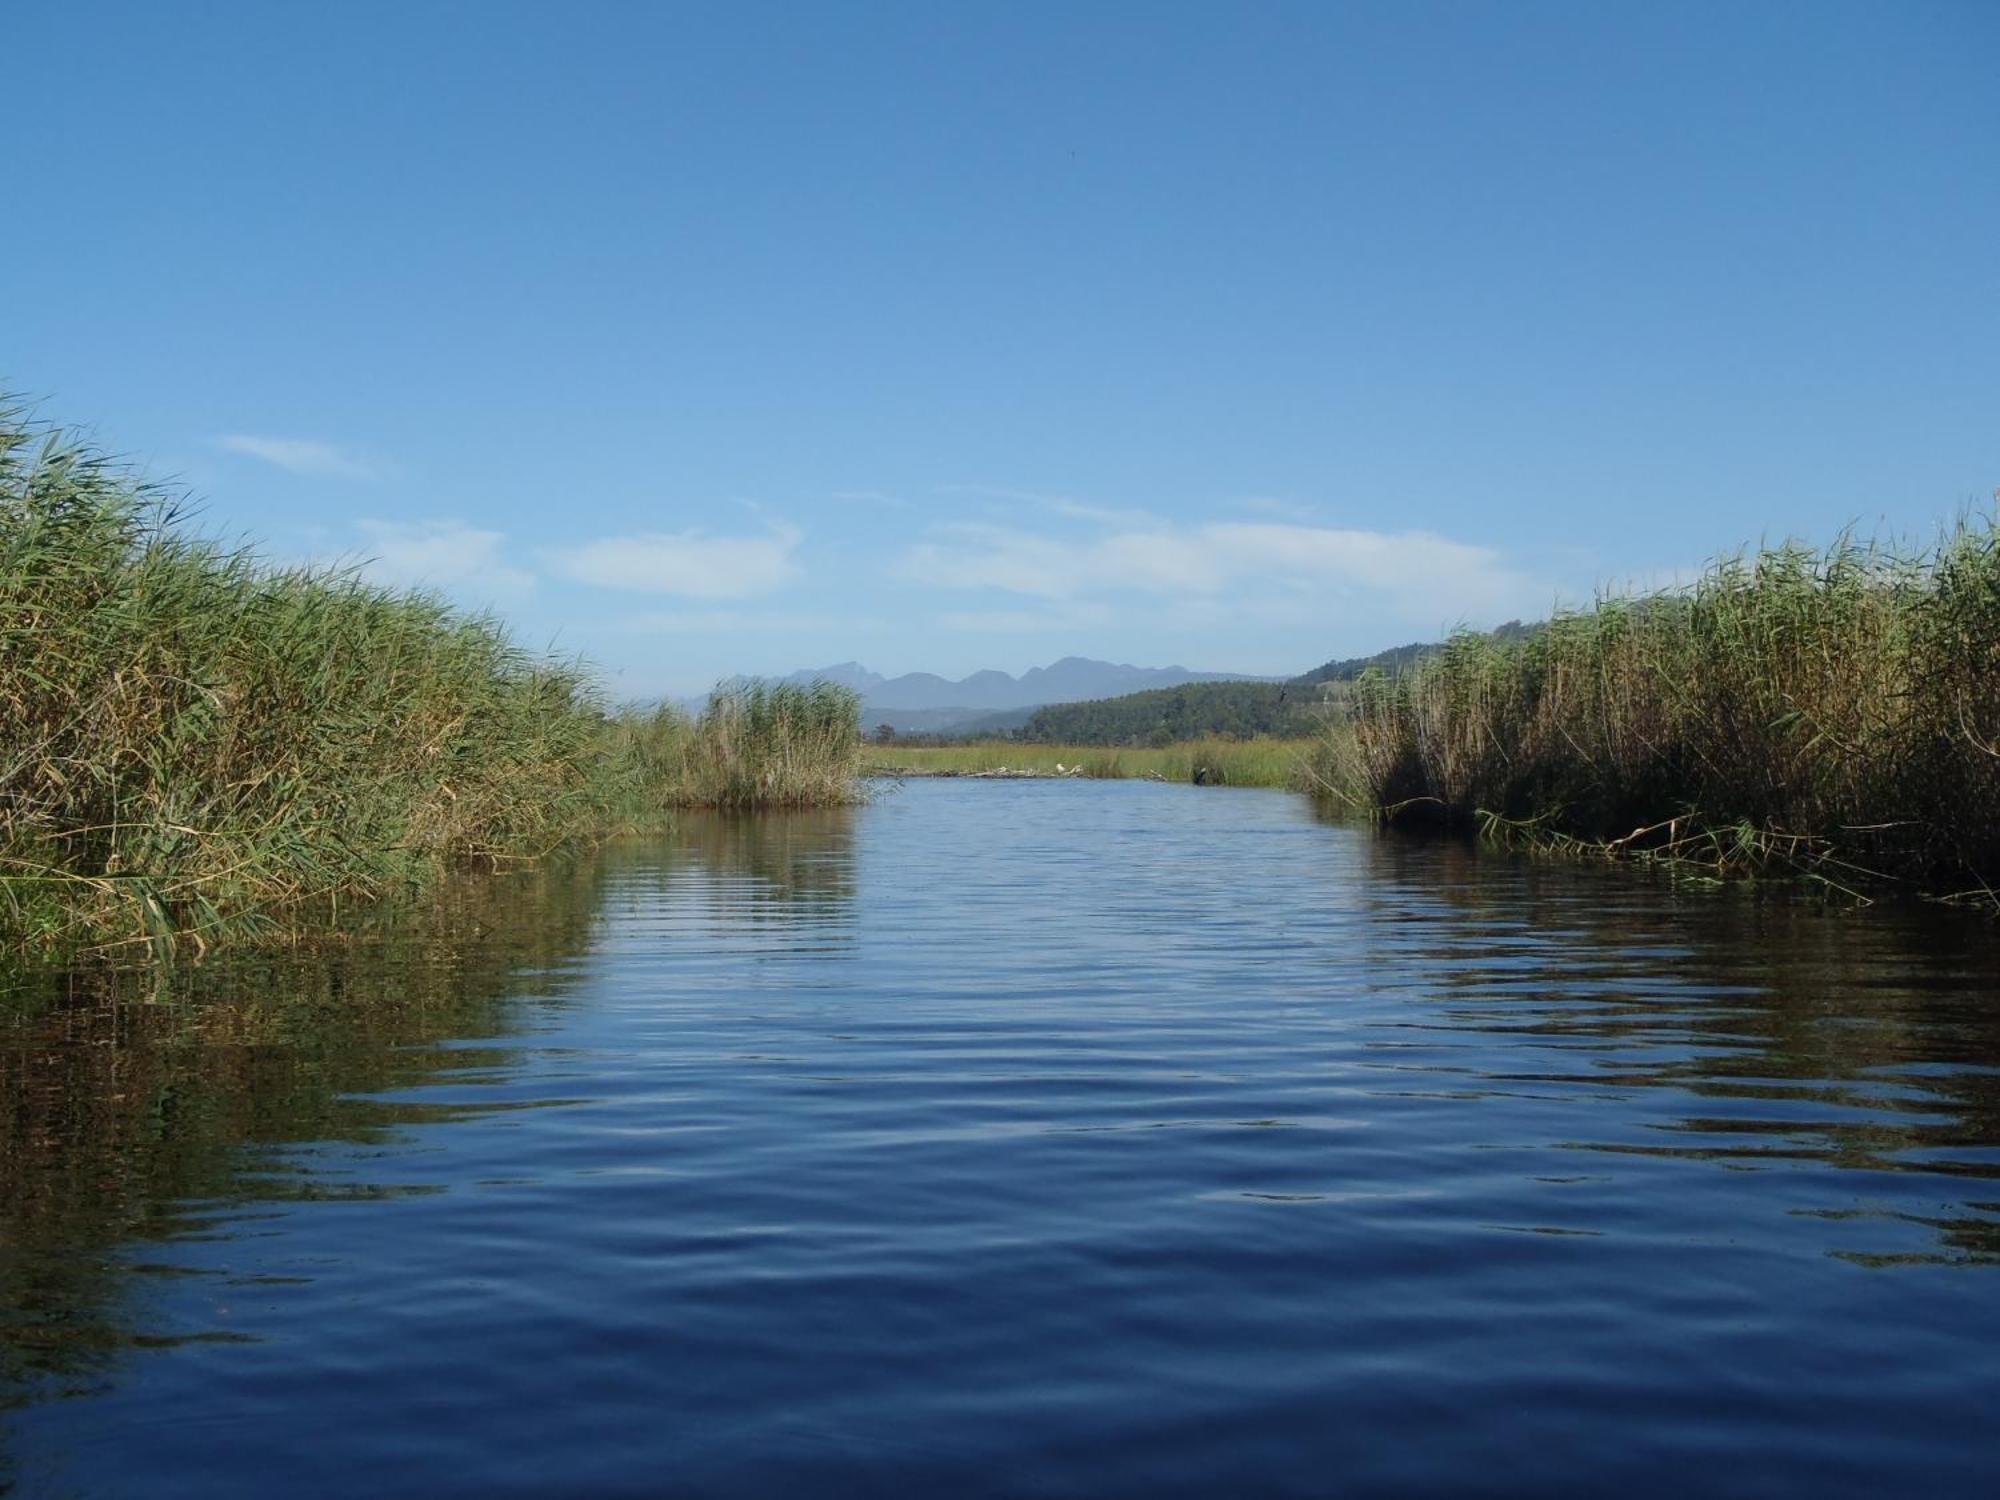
{"x": 134, "y": 1113}
{"x": 1781, "y": 1033}
{"x": 1020, "y": 1138}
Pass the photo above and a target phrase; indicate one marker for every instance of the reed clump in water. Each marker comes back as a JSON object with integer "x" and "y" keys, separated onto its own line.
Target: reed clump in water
{"x": 772, "y": 745}
{"x": 193, "y": 743}
{"x": 1830, "y": 713}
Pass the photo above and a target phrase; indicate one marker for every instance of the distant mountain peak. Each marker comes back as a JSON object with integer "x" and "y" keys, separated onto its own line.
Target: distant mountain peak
{"x": 940, "y": 701}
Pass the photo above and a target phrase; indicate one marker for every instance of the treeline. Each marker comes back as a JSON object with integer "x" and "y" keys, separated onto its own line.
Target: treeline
{"x": 1195, "y": 710}
{"x": 195, "y": 744}
{"x": 1401, "y": 658}
{"x": 1831, "y": 713}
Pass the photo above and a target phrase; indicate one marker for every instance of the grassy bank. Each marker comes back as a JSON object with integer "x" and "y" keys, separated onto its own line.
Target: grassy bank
{"x": 1834, "y": 714}
{"x": 193, "y": 743}
{"x": 1254, "y": 762}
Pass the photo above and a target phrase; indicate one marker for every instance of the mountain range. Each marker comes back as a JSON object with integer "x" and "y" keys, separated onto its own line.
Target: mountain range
{"x": 924, "y": 701}
{"x": 996, "y": 702}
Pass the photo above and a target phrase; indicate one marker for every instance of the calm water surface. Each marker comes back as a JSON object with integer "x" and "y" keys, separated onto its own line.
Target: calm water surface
{"x": 1030, "y": 1138}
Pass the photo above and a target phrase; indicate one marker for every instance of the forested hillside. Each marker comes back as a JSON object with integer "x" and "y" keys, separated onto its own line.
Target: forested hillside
{"x": 1196, "y": 710}
{"x": 1238, "y": 709}
{"x": 1398, "y": 657}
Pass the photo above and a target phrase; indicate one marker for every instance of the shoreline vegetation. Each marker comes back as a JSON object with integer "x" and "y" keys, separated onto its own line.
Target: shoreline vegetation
{"x": 196, "y": 745}
{"x": 1214, "y": 761}
{"x": 1827, "y": 715}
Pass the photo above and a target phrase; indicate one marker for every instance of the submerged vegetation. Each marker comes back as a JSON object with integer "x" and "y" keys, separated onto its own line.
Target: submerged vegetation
{"x": 1834, "y": 714}
{"x": 193, "y": 743}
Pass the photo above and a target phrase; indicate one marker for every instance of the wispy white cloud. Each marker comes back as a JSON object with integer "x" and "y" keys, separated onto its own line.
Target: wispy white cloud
{"x": 1280, "y": 510}
{"x": 739, "y": 622}
{"x": 441, "y": 553}
{"x": 1231, "y": 569}
{"x": 1000, "y": 498}
{"x": 872, "y": 497}
{"x": 973, "y": 554}
{"x": 299, "y": 456}
{"x": 996, "y": 492}
{"x": 692, "y": 564}
{"x": 1103, "y": 515}
{"x": 1055, "y": 617}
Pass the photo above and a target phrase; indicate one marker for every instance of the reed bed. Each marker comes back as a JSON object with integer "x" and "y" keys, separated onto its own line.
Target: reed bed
{"x": 779, "y": 745}
{"x": 195, "y": 744}
{"x": 1833, "y": 714}
{"x": 1249, "y": 762}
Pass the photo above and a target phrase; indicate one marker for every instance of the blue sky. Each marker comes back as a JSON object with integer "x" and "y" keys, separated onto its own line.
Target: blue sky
{"x": 742, "y": 338}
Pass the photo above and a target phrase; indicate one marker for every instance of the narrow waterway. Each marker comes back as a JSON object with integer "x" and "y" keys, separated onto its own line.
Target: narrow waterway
{"x": 1009, "y": 1138}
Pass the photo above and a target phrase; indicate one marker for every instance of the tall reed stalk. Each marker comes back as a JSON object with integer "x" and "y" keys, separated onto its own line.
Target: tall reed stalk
{"x": 773, "y": 745}
{"x": 192, "y": 742}
{"x": 1835, "y": 713}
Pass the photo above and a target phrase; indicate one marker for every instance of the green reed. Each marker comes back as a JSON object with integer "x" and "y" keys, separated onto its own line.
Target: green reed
{"x": 1222, "y": 762}
{"x": 773, "y": 745}
{"x": 1834, "y": 713}
{"x": 193, "y": 743}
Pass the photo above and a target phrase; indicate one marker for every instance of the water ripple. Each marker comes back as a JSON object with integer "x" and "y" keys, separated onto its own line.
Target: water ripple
{"x": 1024, "y": 1138}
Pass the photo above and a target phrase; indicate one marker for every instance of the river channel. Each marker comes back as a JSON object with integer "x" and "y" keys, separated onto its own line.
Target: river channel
{"x": 1045, "y": 1138}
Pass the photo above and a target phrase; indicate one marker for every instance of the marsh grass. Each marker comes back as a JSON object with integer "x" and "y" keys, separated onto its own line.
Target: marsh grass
{"x": 778, "y": 745}
{"x": 194, "y": 744}
{"x": 1831, "y": 714}
{"x": 1250, "y": 762}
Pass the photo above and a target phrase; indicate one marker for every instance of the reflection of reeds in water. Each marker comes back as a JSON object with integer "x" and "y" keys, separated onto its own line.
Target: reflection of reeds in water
{"x": 1875, "y": 1029}
{"x": 804, "y": 863}
{"x": 123, "y": 1096}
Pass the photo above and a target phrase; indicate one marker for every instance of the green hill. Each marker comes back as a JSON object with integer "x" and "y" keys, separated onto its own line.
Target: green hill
{"x": 1196, "y": 710}
{"x": 1398, "y": 657}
